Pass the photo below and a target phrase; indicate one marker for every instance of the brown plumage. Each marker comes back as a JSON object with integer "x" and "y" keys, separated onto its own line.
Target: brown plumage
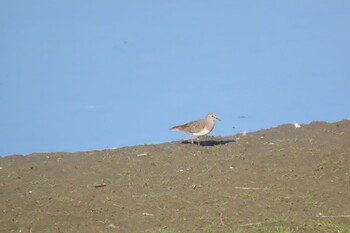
{"x": 198, "y": 127}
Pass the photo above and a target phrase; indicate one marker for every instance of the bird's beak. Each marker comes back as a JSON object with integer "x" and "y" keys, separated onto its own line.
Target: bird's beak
{"x": 217, "y": 118}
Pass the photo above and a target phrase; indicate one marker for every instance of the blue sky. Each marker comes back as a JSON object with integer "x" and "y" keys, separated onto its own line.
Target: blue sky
{"x": 83, "y": 75}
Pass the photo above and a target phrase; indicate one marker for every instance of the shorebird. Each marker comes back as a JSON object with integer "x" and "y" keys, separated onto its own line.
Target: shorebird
{"x": 198, "y": 127}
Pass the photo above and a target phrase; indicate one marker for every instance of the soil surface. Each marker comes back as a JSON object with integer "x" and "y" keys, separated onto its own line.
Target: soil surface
{"x": 284, "y": 179}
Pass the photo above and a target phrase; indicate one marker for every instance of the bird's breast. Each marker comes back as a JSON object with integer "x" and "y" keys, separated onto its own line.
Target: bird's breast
{"x": 202, "y": 132}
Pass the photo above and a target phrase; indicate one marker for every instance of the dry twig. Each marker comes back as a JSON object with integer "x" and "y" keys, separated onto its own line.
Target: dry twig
{"x": 250, "y": 188}
{"x": 320, "y": 215}
{"x": 100, "y": 185}
{"x": 221, "y": 220}
{"x": 251, "y": 224}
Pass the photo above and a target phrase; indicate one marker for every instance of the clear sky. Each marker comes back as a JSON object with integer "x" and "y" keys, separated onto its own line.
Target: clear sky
{"x": 83, "y": 75}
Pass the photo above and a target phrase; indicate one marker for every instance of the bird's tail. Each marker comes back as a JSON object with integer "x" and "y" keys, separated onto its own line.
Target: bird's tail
{"x": 177, "y": 127}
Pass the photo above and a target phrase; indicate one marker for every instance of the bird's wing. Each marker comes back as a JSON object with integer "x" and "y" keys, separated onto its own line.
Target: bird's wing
{"x": 191, "y": 127}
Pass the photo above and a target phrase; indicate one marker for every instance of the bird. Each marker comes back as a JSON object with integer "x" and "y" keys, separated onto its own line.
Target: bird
{"x": 198, "y": 127}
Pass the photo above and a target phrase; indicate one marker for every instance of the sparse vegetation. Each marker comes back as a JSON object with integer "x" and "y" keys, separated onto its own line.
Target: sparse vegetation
{"x": 280, "y": 180}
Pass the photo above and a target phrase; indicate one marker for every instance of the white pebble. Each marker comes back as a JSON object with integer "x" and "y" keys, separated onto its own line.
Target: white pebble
{"x": 147, "y": 214}
{"x": 142, "y": 155}
{"x": 111, "y": 226}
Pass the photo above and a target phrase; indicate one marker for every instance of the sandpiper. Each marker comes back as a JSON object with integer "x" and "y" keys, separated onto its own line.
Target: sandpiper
{"x": 198, "y": 127}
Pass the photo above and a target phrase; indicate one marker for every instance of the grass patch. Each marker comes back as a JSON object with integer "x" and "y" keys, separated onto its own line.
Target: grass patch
{"x": 329, "y": 226}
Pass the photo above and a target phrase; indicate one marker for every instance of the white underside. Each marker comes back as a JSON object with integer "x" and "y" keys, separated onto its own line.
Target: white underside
{"x": 201, "y": 133}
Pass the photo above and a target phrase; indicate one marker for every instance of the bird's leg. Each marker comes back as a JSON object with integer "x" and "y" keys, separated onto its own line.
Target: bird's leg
{"x": 198, "y": 141}
{"x": 191, "y": 140}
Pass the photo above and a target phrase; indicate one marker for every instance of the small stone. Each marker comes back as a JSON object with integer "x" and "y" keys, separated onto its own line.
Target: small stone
{"x": 147, "y": 214}
{"x": 111, "y": 226}
{"x": 142, "y": 154}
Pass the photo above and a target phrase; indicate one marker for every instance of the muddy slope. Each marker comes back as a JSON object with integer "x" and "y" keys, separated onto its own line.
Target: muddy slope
{"x": 283, "y": 179}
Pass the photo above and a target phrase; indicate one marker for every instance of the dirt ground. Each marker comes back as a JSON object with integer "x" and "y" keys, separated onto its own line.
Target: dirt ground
{"x": 284, "y": 179}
